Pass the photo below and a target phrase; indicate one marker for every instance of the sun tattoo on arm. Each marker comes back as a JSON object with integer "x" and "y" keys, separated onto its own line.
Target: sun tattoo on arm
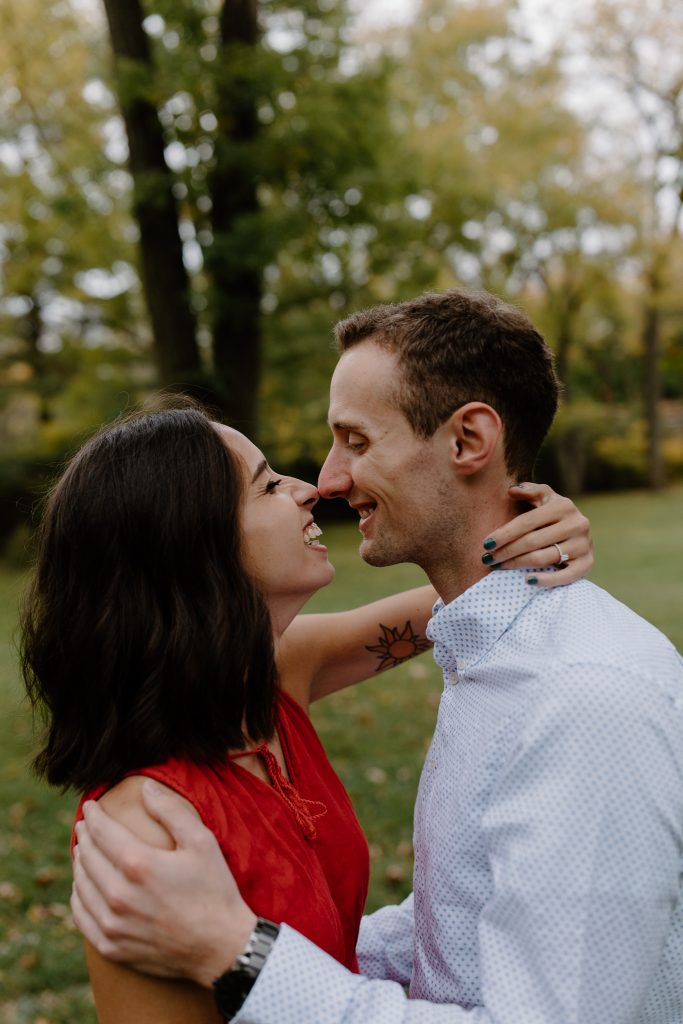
{"x": 395, "y": 646}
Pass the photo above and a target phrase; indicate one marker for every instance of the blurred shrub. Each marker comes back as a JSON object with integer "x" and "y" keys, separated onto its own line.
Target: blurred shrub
{"x": 566, "y": 457}
{"x": 597, "y": 447}
{"x": 25, "y": 476}
{"x": 618, "y": 458}
{"x": 40, "y": 426}
{"x": 17, "y": 550}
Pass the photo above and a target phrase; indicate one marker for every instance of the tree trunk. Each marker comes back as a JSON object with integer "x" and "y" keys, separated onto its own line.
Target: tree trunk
{"x": 32, "y": 330}
{"x": 568, "y": 306}
{"x": 563, "y": 345}
{"x": 164, "y": 277}
{"x": 234, "y": 261}
{"x": 652, "y": 384}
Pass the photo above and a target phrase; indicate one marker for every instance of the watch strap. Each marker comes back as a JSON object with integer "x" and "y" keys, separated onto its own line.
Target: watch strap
{"x": 232, "y": 988}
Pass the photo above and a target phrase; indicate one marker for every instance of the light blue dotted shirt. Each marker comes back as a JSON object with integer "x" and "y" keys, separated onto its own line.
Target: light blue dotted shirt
{"x": 548, "y": 832}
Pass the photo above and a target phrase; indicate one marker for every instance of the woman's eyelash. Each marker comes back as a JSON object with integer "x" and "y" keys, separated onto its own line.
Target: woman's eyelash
{"x": 271, "y": 485}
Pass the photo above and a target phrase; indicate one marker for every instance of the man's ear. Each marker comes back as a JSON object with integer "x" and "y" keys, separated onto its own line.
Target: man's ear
{"x": 475, "y": 433}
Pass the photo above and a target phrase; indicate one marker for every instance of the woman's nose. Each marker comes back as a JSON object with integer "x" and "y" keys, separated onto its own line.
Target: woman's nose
{"x": 307, "y": 494}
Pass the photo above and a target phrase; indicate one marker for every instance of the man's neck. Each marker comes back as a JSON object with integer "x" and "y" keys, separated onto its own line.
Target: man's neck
{"x": 461, "y": 566}
{"x": 451, "y": 584}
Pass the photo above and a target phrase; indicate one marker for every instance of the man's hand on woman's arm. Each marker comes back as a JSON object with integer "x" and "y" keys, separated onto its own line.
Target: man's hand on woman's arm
{"x": 172, "y": 913}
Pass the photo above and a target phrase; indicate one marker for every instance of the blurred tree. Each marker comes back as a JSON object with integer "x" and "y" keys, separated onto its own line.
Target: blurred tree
{"x": 65, "y": 249}
{"x": 637, "y": 46}
{"x": 529, "y": 190}
{"x": 517, "y": 203}
{"x": 286, "y": 170}
{"x": 276, "y": 147}
{"x": 164, "y": 276}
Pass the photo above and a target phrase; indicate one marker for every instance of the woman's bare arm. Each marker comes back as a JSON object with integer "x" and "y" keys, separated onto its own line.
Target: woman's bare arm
{"x": 122, "y": 995}
{"x": 320, "y": 654}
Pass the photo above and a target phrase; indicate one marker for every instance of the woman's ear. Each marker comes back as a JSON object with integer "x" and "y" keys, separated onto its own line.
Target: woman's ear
{"x": 476, "y": 434}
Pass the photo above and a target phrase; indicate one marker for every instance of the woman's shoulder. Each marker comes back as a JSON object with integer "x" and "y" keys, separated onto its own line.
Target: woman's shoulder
{"x": 124, "y": 802}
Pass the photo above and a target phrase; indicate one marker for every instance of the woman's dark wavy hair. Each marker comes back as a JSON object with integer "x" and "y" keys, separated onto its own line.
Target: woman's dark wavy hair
{"x": 143, "y": 635}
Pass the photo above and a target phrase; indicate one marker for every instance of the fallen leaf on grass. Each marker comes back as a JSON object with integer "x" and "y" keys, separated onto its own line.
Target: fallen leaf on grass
{"x": 395, "y": 873}
{"x": 9, "y": 893}
{"x": 46, "y": 876}
{"x": 18, "y": 811}
{"x": 28, "y": 961}
{"x": 47, "y": 912}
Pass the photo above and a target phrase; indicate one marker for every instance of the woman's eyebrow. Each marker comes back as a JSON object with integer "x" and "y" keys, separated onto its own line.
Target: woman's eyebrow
{"x": 263, "y": 465}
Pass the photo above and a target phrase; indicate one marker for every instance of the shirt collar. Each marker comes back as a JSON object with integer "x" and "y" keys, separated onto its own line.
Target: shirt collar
{"x": 467, "y": 628}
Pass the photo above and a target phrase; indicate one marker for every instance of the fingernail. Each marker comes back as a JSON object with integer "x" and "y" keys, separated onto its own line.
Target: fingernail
{"x": 79, "y": 828}
{"x": 520, "y": 487}
{"x": 488, "y": 559}
{"x": 489, "y": 543}
{"x": 532, "y": 580}
{"x": 151, "y": 787}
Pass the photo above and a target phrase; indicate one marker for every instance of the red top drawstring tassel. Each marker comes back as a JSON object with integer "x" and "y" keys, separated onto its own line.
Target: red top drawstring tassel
{"x": 302, "y": 809}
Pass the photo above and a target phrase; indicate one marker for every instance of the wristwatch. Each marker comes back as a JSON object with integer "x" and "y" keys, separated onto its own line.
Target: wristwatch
{"x": 233, "y": 987}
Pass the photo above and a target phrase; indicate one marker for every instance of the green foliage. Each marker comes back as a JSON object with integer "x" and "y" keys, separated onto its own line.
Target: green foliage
{"x": 68, "y": 315}
{"x": 60, "y": 206}
{"x": 439, "y": 154}
{"x": 326, "y": 159}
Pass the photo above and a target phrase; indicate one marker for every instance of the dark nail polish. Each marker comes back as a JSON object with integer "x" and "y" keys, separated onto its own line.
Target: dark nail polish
{"x": 532, "y": 580}
{"x": 487, "y": 559}
{"x": 489, "y": 543}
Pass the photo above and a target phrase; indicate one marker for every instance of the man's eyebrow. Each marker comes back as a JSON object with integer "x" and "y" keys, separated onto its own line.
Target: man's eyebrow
{"x": 263, "y": 465}
{"x": 339, "y": 425}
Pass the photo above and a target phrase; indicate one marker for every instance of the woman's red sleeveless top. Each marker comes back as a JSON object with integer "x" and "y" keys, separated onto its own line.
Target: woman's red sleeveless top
{"x": 293, "y": 859}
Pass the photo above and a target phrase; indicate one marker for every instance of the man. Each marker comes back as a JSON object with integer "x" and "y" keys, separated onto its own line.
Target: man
{"x": 549, "y": 819}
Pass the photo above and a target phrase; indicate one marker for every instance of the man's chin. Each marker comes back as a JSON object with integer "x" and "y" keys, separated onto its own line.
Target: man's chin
{"x": 373, "y": 554}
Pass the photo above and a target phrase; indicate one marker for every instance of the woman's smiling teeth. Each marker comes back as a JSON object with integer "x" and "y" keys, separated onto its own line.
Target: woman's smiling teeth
{"x": 311, "y": 533}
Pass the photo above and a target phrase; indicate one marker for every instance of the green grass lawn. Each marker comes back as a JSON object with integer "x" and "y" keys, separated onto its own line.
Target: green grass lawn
{"x": 376, "y": 735}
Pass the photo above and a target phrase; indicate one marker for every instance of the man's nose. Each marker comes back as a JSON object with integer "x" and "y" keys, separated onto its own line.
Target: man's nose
{"x": 335, "y": 479}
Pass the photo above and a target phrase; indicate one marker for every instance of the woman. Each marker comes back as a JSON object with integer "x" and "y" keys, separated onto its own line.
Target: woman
{"x": 172, "y": 566}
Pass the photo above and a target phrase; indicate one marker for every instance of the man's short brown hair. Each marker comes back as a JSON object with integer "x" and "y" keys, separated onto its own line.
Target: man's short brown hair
{"x": 462, "y": 346}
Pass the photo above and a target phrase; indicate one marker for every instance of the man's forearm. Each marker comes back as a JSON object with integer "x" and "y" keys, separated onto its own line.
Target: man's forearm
{"x": 300, "y": 984}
